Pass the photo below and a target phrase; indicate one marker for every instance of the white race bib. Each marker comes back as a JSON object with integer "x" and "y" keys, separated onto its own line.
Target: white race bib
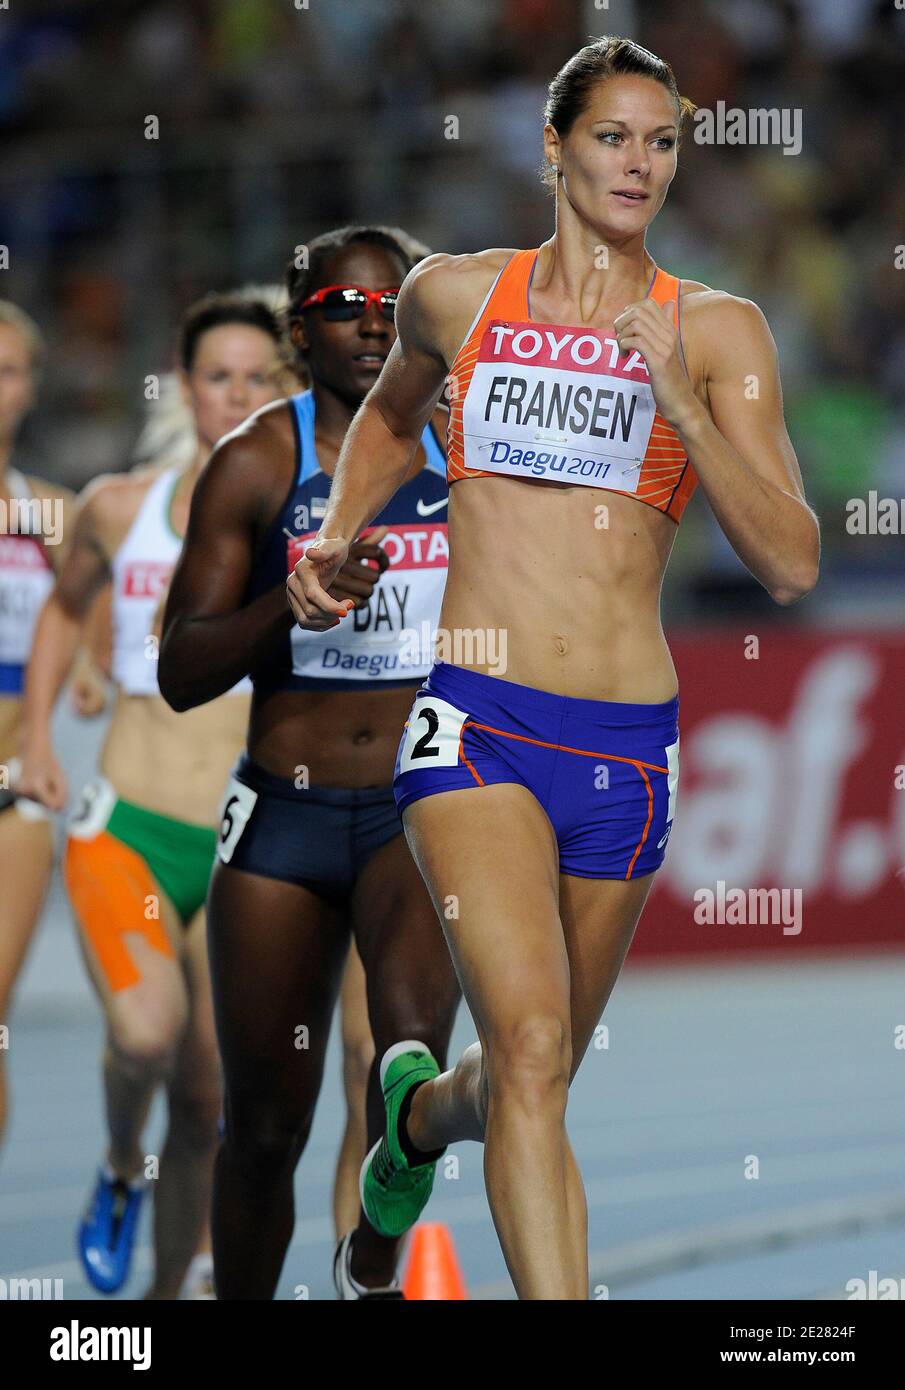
{"x": 672, "y": 779}
{"x": 236, "y": 806}
{"x": 391, "y": 638}
{"x": 26, "y": 579}
{"x": 93, "y": 811}
{"x": 433, "y": 734}
{"x": 550, "y": 401}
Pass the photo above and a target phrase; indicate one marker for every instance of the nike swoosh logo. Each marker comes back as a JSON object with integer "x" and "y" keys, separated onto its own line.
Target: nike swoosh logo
{"x": 423, "y": 509}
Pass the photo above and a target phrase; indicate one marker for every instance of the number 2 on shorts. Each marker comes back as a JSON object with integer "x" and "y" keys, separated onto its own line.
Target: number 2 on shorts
{"x": 433, "y": 735}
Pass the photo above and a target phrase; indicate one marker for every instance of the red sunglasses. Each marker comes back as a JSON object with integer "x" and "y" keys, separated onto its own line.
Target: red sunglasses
{"x": 343, "y": 302}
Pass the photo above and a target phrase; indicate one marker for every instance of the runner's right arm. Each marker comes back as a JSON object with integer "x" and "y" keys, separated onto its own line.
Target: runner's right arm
{"x": 56, "y": 641}
{"x": 210, "y": 638}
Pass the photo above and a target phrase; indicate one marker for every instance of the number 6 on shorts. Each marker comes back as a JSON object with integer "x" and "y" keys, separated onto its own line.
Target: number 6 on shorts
{"x": 235, "y": 808}
{"x": 433, "y": 735}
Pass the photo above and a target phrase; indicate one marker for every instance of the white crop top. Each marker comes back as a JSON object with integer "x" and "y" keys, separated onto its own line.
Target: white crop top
{"x": 141, "y": 570}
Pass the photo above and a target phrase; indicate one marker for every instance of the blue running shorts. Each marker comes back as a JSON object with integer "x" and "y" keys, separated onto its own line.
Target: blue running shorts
{"x": 317, "y": 837}
{"x": 606, "y": 773}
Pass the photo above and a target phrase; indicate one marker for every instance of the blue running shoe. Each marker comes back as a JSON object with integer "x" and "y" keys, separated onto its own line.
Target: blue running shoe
{"x": 107, "y": 1234}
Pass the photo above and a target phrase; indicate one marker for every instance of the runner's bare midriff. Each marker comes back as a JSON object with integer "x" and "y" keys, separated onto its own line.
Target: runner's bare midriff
{"x": 174, "y": 764}
{"x": 576, "y": 603}
{"x": 344, "y": 738}
{"x": 570, "y": 576}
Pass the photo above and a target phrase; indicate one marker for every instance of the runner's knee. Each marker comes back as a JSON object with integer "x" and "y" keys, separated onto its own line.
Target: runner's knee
{"x": 266, "y": 1138}
{"x": 143, "y": 1047}
{"x": 404, "y": 1012}
{"x": 195, "y": 1115}
{"x": 528, "y": 1060}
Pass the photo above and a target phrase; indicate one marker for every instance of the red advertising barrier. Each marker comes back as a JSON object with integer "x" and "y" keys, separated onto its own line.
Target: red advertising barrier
{"x": 792, "y": 778}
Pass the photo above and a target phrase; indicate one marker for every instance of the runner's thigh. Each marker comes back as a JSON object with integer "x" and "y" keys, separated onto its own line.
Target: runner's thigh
{"x": 489, "y": 858}
{"x": 599, "y": 916}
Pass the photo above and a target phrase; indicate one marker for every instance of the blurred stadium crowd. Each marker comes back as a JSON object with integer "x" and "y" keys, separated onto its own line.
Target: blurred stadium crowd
{"x": 280, "y": 118}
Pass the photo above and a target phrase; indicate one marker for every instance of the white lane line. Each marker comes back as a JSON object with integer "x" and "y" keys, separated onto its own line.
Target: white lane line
{"x": 72, "y": 1269}
{"x": 638, "y": 1260}
{"x": 837, "y": 1294}
{"x": 814, "y": 1166}
{"x": 634, "y": 1261}
{"x": 601, "y": 1193}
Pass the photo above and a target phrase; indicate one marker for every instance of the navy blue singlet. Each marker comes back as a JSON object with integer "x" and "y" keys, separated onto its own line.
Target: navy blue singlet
{"x": 388, "y": 643}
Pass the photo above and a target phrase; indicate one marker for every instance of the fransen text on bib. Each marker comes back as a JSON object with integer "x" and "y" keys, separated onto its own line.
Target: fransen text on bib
{"x": 550, "y": 401}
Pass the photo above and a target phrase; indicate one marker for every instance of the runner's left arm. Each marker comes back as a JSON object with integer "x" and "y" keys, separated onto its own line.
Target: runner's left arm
{"x": 739, "y": 446}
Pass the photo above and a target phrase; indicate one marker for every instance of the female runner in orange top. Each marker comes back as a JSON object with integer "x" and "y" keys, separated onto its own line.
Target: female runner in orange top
{"x": 590, "y": 392}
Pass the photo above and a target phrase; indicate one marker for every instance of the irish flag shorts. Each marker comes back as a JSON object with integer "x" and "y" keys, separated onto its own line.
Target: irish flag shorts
{"x": 606, "y": 773}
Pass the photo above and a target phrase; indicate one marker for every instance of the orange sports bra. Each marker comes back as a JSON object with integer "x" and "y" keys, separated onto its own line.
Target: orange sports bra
{"x": 559, "y": 402}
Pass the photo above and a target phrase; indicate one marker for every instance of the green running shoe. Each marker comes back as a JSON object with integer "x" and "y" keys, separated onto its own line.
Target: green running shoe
{"x": 394, "y": 1194}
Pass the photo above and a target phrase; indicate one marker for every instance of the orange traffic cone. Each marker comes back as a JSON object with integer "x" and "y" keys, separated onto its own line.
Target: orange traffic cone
{"x": 433, "y": 1271}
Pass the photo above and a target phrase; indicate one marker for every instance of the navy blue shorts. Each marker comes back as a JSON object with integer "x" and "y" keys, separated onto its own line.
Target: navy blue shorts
{"x": 317, "y": 837}
{"x": 605, "y": 773}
